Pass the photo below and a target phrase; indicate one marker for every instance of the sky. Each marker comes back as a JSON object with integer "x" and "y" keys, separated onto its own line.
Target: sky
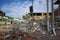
{"x": 18, "y": 8}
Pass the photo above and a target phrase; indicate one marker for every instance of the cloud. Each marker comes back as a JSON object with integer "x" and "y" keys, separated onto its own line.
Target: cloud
{"x": 39, "y": 5}
{"x": 17, "y": 9}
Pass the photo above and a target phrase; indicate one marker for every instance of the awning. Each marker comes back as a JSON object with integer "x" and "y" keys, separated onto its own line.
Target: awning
{"x": 57, "y": 2}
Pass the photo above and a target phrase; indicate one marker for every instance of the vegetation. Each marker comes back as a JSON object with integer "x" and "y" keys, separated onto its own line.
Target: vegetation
{"x": 26, "y": 17}
{"x": 2, "y": 13}
{"x": 9, "y": 17}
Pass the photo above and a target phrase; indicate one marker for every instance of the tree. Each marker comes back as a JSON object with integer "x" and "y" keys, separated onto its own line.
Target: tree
{"x": 26, "y": 17}
{"x": 9, "y": 17}
{"x": 2, "y": 13}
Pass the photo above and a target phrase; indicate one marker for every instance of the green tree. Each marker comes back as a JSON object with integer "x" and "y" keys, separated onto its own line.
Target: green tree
{"x": 26, "y": 17}
{"x": 9, "y": 17}
{"x": 2, "y": 13}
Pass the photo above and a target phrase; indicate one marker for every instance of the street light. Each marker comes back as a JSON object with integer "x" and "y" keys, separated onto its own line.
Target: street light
{"x": 31, "y": 9}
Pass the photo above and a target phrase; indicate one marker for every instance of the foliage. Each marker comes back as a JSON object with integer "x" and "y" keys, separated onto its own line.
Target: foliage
{"x": 9, "y": 17}
{"x": 2, "y": 13}
{"x": 26, "y": 17}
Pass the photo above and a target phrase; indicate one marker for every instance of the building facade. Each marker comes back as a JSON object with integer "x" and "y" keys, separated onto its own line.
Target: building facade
{"x": 38, "y": 16}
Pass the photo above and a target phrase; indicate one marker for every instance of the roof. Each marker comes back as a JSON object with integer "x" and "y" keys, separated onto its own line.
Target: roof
{"x": 38, "y": 14}
{"x": 57, "y": 2}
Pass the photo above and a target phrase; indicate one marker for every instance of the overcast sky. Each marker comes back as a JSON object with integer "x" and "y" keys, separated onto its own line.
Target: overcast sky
{"x": 18, "y": 8}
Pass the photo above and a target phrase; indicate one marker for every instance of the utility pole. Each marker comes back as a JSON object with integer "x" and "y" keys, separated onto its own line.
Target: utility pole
{"x": 47, "y": 16}
{"x": 32, "y": 13}
{"x": 32, "y": 21}
{"x": 52, "y": 9}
